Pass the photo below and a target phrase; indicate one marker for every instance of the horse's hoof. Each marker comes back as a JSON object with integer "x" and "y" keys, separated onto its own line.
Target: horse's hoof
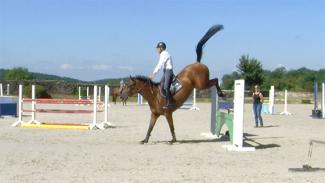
{"x": 172, "y": 141}
{"x": 143, "y": 141}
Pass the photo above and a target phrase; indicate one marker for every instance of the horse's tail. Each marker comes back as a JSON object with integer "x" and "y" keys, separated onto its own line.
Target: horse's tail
{"x": 214, "y": 29}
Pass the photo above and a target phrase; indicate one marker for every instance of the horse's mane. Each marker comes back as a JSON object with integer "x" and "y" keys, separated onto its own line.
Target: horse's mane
{"x": 146, "y": 80}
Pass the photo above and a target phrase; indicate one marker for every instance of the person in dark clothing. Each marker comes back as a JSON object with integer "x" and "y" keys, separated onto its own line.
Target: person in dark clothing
{"x": 257, "y": 106}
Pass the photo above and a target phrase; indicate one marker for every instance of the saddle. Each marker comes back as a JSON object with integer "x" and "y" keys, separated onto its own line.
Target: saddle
{"x": 174, "y": 87}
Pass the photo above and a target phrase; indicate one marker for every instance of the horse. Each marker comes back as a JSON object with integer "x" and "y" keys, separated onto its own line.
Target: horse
{"x": 195, "y": 75}
{"x": 115, "y": 93}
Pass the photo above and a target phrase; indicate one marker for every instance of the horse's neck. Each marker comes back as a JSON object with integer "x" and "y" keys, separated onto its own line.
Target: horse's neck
{"x": 150, "y": 94}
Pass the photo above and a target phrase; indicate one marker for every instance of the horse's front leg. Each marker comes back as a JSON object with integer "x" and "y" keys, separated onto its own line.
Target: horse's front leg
{"x": 153, "y": 120}
{"x": 169, "y": 117}
{"x": 215, "y": 82}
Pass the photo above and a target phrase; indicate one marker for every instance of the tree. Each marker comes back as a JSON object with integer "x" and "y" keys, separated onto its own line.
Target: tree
{"x": 18, "y": 73}
{"x": 251, "y": 70}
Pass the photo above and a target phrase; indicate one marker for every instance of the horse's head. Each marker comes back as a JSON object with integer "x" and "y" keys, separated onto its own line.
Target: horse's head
{"x": 130, "y": 88}
{"x": 137, "y": 84}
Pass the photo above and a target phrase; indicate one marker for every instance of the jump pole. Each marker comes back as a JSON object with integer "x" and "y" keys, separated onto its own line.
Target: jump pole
{"x": 323, "y": 100}
{"x": 79, "y": 92}
{"x": 8, "y": 89}
{"x": 140, "y": 99}
{"x": 271, "y": 100}
{"x": 285, "y": 111}
{"x": 87, "y": 92}
{"x": 238, "y": 122}
{"x": 214, "y": 110}
{"x": 99, "y": 92}
{"x": 33, "y": 120}
{"x": 1, "y": 90}
{"x": 106, "y": 123}
{"x": 20, "y": 107}
{"x": 194, "y": 107}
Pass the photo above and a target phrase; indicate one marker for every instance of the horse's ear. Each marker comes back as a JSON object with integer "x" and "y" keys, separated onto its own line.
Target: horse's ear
{"x": 132, "y": 79}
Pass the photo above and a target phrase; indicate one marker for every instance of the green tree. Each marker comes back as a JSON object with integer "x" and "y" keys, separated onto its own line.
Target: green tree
{"x": 18, "y": 73}
{"x": 251, "y": 70}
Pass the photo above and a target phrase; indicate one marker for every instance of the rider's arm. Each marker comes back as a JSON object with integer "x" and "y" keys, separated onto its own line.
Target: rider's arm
{"x": 161, "y": 62}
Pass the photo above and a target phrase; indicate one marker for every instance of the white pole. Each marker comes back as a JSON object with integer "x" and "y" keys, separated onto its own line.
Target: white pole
{"x": 33, "y": 104}
{"x": 139, "y": 99}
{"x": 1, "y": 90}
{"x": 194, "y": 101}
{"x": 238, "y": 122}
{"x": 93, "y": 125}
{"x": 106, "y": 123}
{"x": 99, "y": 92}
{"x": 323, "y": 100}
{"x": 87, "y": 92}
{"x": 271, "y": 100}
{"x": 285, "y": 111}
{"x": 79, "y": 92}
{"x": 20, "y": 107}
{"x": 8, "y": 89}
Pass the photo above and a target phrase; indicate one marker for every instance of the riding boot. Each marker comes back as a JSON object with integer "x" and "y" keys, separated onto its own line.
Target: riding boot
{"x": 169, "y": 101}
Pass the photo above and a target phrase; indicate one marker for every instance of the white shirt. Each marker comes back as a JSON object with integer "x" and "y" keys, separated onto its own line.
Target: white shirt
{"x": 165, "y": 61}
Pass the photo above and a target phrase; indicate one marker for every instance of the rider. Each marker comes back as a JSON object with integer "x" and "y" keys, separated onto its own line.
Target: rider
{"x": 165, "y": 62}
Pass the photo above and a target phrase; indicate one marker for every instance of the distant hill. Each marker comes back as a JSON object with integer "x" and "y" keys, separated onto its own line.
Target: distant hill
{"x": 41, "y": 76}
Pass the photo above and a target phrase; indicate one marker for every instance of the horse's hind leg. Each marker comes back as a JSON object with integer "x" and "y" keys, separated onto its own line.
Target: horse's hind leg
{"x": 153, "y": 120}
{"x": 169, "y": 118}
{"x": 215, "y": 82}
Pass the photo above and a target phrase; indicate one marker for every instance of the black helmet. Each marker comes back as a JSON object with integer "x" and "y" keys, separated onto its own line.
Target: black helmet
{"x": 161, "y": 45}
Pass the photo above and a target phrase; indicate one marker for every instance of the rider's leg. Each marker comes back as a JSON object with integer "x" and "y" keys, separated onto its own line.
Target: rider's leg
{"x": 168, "y": 74}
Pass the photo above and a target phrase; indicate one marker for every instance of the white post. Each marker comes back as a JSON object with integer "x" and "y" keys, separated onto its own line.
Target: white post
{"x": 323, "y": 100}
{"x": 106, "y": 123}
{"x": 140, "y": 100}
{"x": 214, "y": 108}
{"x": 87, "y": 92}
{"x": 238, "y": 123}
{"x": 99, "y": 92}
{"x": 285, "y": 111}
{"x": 1, "y": 90}
{"x": 33, "y": 120}
{"x": 194, "y": 101}
{"x": 79, "y": 92}
{"x": 8, "y": 89}
{"x": 271, "y": 100}
{"x": 94, "y": 125}
{"x": 20, "y": 107}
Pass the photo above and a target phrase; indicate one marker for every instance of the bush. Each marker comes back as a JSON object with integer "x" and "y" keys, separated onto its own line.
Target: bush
{"x": 40, "y": 92}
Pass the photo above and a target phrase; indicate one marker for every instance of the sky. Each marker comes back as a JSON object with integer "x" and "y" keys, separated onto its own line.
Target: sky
{"x": 97, "y": 39}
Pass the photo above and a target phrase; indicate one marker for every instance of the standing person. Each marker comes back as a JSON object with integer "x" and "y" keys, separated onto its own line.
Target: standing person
{"x": 165, "y": 62}
{"x": 257, "y": 105}
{"x": 122, "y": 84}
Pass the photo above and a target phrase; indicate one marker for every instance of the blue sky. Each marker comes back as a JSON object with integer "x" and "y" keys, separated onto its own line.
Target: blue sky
{"x": 96, "y": 39}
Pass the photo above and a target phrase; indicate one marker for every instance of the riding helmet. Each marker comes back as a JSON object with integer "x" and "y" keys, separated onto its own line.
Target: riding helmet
{"x": 161, "y": 45}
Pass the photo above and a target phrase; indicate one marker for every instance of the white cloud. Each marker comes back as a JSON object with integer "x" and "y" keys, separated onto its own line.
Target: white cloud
{"x": 66, "y": 66}
{"x": 129, "y": 68}
{"x": 101, "y": 67}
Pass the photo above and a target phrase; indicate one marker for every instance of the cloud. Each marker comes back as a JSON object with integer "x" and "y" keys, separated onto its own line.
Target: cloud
{"x": 128, "y": 68}
{"x": 102, "y": 67}
{"x": 66, "y": 66}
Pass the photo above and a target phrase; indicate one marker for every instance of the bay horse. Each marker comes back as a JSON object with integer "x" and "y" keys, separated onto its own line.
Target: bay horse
{"x": 195, "y": 75}
{"x": 115, "y": 93}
